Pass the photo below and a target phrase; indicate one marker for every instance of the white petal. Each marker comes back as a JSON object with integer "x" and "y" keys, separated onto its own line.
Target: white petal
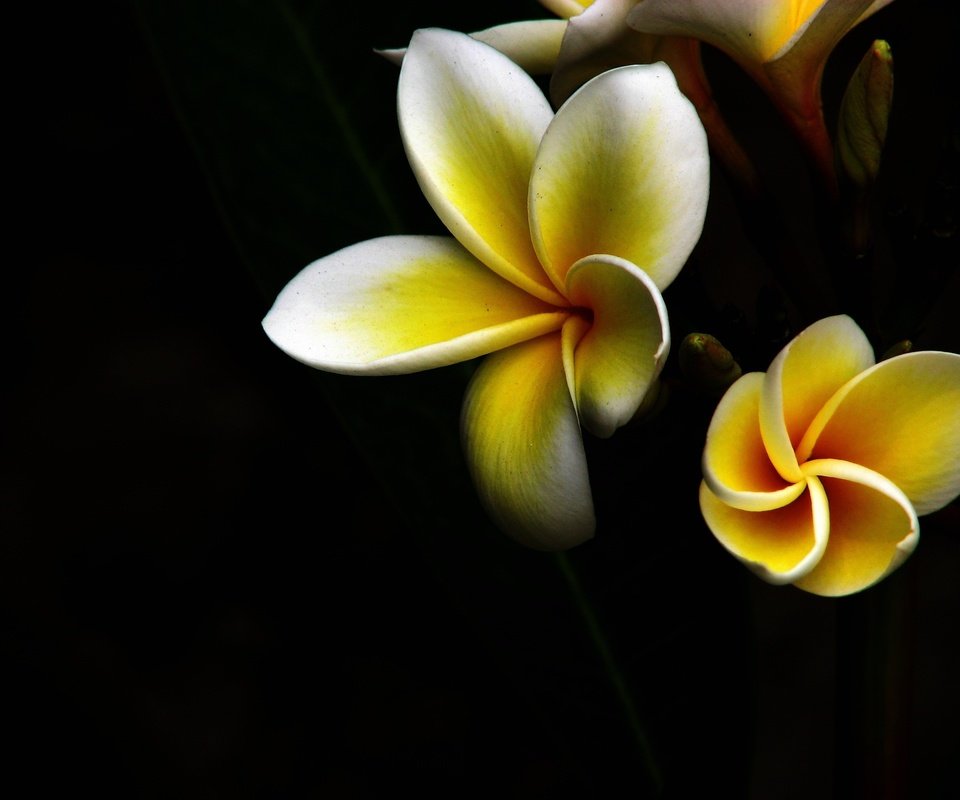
{"x": 471, "y": 122}
{"x": 402, "y": 304}
{"x": 623, "y": 170}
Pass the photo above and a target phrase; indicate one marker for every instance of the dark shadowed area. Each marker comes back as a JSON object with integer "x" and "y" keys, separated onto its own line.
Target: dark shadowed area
{"x": 224, "y": 575}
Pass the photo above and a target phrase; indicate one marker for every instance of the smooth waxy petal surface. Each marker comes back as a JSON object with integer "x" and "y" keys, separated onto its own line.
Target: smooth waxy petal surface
{"x": 595, "y": 41}
{"x": 623, "y": 169}
{"x": 901, "y": 419}
{"x": 814, "y": 41}
{"x": 803, "y": 376}
{"x": 749, "y": 30}
{"x": 402, "y": 304}
{"x": 524, "y": 449}
{"x": 471, "y": 122}
{"x": 780, "y": 545}
{"x": 533, "y": 44}
{"x": 873, "y": 528}
{"x": 736, "y": 466}
{"x": 623, "y": 351}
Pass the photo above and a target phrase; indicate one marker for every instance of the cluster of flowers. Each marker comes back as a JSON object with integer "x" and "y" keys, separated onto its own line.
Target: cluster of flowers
{"x": 567, "y": 226}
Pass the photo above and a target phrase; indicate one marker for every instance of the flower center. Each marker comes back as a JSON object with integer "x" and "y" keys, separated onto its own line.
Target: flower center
{"x": 583, "y": 312}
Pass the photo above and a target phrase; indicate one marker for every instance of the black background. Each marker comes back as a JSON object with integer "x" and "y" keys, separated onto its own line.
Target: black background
{"x": 224, "y": 575}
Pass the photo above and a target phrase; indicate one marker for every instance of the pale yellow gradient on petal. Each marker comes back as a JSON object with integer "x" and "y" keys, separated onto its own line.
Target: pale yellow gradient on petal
{"x": 803, "y": 376}
{"x": 471, "y": 122}
{"x": 902, "y": 419}
{"x": 780, "y": 545}
{"x": 873, "y": 528}
{"x": 532, "y": 44}
{"x": 736, "y": 466}
{"x": 524, "y": 449}
{"x": 622, "y": 169}
{"x": 751, "y": 31}
{"x": 402, "y": 304}
{"x": 574, "y": 329}
{"x": 622, "y": 353}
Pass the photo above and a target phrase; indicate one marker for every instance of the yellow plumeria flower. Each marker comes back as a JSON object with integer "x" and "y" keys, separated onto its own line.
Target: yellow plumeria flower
{"x": 566, "y": 229}
{"x": 816, "y": 471}
{"x": 782, "y": 44}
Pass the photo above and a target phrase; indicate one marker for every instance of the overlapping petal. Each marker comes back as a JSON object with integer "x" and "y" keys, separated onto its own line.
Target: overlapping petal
{"x": 402, "y": 304}
{"x": 532, "y": 44}
{"x": 524, "y": 449}
{"x": 781, "y": 544}
{"x": 623, "y": 350}
{"x": 876, "y": 445}
{"x": 623, "y": 169}
{"x": 902, "y": 419}
{"x": 873, "y": 528}
{"x": 736, "y": 466}
{"x": 803, "y": 376}
{"x": 471, "y": 122}
{"x": 754, "y": 29}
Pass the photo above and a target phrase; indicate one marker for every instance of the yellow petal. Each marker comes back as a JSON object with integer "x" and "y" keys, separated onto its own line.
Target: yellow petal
{"x": 402, "y": 304}
{"x": 622, "y": 353}
{"x": 780, "y": 545}
{"x": 523, "y": 446}
{"x": 873, "y": 528}
{"x": 623, "y": 170}
{"x": 471, "y": 122}
{"x": 902, "y": 419}
{"x": 815, "y": 35}
{"x": 801, "y": 379}
{"x": 736, "y": 466}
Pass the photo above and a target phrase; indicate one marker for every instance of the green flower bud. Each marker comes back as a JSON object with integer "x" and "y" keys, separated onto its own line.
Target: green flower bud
{"x": 707, "y": 364}
{"x": 897, "y": 349}
{"x": 864, "y": 112}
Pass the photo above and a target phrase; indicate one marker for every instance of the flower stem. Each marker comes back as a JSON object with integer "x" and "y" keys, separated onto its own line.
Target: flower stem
{"x": 614, "y": 675}
{"x": 875, "y": 644}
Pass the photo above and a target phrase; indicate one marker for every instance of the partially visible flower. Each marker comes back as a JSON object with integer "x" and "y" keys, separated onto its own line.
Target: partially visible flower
{"x": 782, "y": 44}
{"x": 815, "y": 472}
{"x": 594, "y": 37}
{"x": 599, "y": 39}
{"x": 566, "y": 229}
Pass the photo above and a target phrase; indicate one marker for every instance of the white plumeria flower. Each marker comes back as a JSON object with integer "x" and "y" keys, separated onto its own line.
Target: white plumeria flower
{"x": 566, "y": 229}
{"x": 783, "y": 43}
{"x": 815, "y": 472}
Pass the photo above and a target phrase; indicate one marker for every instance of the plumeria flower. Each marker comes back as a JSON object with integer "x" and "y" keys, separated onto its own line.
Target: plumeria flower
{"x": 782, "y": 44}
{"x": 565, "y": 230}
{"x": 815, "y": 472}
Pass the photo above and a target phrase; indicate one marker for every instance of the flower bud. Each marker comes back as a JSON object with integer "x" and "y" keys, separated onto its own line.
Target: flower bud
{"x": 707, "y": 364}
{"x": 897, "y": 349}
{"x": 864, "y": 112}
